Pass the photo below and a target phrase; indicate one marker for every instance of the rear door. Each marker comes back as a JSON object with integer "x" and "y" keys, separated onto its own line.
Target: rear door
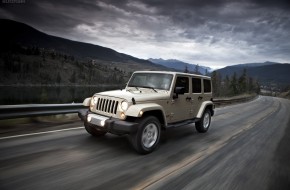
{"x": 197, "y": 94}
{"x": 207, "y": 89}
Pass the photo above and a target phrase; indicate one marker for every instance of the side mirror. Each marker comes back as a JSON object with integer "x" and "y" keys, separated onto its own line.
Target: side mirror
{"x": 178, "y": 90}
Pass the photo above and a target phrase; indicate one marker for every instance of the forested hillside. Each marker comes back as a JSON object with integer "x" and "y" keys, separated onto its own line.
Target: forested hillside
{"x": 268, "y": 73}
{"x": 35, "y": 66}
{"x": 233, "y": 85}
{"x": 30, "y": 57}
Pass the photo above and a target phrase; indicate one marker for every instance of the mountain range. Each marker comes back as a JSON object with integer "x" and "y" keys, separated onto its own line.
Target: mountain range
{"x": 181, "y": 66}
{"x": 29, "y": 56}
{"x": 256, "y": 64}
{"x": 267, "y": 73}
{"x": 13, "y": 32}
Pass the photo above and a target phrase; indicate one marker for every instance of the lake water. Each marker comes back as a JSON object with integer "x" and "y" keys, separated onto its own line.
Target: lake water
{"x": 11, "y": 95}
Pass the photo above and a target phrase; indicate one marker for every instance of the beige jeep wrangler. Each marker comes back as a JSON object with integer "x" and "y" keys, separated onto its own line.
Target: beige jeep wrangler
{"x": 151, "y": 101}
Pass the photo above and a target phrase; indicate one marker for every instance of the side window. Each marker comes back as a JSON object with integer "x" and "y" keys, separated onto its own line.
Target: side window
{"x": 182, "y": 82}
{"x": 196, "y": 85}
{"x": 206, "y": 85}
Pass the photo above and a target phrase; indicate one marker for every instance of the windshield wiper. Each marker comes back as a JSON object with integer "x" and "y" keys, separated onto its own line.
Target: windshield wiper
{"x": 134, "y": 86}
{"x": 137, "y": 87}
{"x": 148, "y": 87}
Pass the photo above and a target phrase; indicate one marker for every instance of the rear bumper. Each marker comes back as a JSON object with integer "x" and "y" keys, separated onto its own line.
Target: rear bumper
{"x": 108, "y": 124}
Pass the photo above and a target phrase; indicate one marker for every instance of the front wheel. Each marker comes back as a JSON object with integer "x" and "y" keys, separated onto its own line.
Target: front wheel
{"x": 203, "y": 124}
{"x": 147, "y": 137}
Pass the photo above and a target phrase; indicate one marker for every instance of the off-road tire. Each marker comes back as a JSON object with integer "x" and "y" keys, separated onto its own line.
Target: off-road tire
{"x": 94, "y": 132}
{"x": 147, "y": 137}
{"x": 203, "y": 124}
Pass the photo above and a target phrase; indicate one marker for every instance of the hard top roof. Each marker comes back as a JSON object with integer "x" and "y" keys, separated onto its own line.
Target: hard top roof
{"x": 174, "y": 73}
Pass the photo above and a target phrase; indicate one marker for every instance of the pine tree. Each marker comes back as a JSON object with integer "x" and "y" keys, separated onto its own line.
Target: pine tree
{"x": 58, "y": 78}
{"x": 234, "y": 85}
{"x": 216, "y": 83}
{"x": 73, "y": 77}
{"x": 196, "y": 69}
{"x": 186, "y": 69}
{"x": 242, "y": 83}
{"x": 251, "y": 85}
{"x": 226, "y": 89}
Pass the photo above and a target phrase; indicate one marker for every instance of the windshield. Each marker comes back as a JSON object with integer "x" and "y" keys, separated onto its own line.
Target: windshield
{"x": 151, "y": 80}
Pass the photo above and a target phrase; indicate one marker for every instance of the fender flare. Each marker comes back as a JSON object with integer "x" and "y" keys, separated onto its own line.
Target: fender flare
{"x": 203, "y": 107}
{"x": 87, "y": 102}
{"x": 134, "y": 110}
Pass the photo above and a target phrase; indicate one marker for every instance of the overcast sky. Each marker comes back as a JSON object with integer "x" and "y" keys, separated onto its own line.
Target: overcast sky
{"x": 212, "y": 33}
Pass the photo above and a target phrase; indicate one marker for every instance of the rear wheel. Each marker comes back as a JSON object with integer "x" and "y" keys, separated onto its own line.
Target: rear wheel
{"x": 147, "y": 137}
{"x": 93, "y": 131}
{"x": 203, "y": 124}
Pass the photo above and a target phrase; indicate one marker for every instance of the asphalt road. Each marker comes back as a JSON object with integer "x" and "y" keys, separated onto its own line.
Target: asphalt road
{"x": 247, "y": 147}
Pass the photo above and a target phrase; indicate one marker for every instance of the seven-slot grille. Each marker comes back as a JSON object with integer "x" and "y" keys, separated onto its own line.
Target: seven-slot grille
{"x": 106, "y": 105}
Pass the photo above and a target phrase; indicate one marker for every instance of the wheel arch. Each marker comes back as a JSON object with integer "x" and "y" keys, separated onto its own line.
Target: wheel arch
{"x": 205, "y": 105}
{"x": 158, "y": 114}
{"x": 87, "y": 102}
{"x": 142, "y": 110}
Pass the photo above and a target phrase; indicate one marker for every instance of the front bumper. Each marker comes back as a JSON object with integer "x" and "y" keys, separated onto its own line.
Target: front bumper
{"x": 108, "y": 124}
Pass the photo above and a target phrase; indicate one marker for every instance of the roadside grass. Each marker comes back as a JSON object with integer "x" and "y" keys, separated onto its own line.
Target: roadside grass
{"x": 285, "y": 95}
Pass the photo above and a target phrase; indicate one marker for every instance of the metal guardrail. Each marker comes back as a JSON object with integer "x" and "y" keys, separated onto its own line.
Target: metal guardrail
{"x": 225, "y": 101}
{"x": 29, "y": 110}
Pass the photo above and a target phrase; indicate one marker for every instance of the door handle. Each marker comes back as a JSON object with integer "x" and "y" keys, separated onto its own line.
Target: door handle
{"x": 200, "y": 98}
{"x": 188, "y": 98}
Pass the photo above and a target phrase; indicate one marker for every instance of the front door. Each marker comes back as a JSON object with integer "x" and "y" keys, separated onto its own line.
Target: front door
{"x": 181, "y": 107}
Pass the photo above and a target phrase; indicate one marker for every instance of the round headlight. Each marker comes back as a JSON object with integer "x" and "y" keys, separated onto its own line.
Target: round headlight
{"x": 94, "y": 101}
{"x": 124, "y": 105}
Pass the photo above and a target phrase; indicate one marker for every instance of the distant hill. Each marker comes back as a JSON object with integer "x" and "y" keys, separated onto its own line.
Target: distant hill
{"x": 266, "y": 73}
{"x": 13, "y": 32}
{"x": 256, "y": 64}
{"x": 31, "y": 57}
{"x": 179, "y": 65}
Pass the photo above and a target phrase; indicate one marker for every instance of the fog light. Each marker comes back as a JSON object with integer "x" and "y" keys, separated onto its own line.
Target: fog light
{"x": 89, "y": 118}
{"x": 123, "y": 115}
{"x": 141, "y": 113}
{"x": 103, "y": 123}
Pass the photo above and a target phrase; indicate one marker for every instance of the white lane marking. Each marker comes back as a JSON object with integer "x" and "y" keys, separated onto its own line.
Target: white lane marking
{"x": 39, "y": 133}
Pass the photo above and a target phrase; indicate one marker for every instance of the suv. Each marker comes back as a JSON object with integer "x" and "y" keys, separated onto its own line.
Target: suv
{"x": 151, "y": 101}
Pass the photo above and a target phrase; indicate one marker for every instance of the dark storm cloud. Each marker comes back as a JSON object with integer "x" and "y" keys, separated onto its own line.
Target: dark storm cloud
{"x": 264, "y": 24}
{"x": 46, "y": 15}
{"x": 228, "y": 30}
{"x": 282, "y": 4}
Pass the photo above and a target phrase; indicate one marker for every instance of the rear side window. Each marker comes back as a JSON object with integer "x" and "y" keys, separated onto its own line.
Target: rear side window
{"x": 206, "y": 85}
{"x": 182, "y": 82}
{"x": 196, "y": 85}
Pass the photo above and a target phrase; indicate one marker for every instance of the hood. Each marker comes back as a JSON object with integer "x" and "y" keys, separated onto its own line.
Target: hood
{"x": 137, "y": 94}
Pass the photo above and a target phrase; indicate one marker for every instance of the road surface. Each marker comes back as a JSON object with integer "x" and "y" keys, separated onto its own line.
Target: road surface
{"x": 247, "y": 147}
